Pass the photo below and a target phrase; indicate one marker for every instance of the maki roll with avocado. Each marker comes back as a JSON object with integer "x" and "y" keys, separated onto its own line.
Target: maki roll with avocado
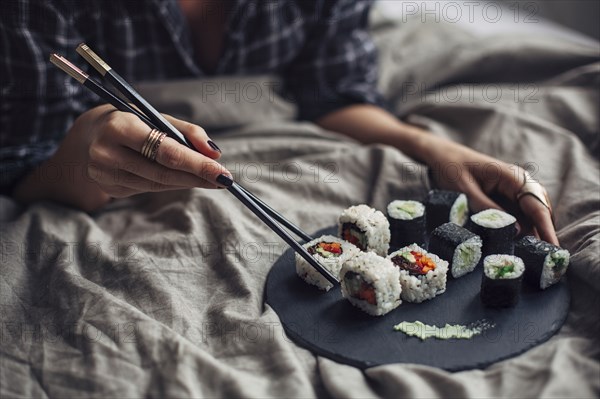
{"x": 331, "y": 252}
{"x": 365, "y": 227}
{"x": 371, "y": 283}
{"x": 446, "y": 206}
{"x": 407, "y": 223}
{"x": 501, "y": 281}
{"x": 496, "y": 229}
{"x": 458, "y": 246}
{"x": 545, "y": 264}
{"x": 422, "y": 274}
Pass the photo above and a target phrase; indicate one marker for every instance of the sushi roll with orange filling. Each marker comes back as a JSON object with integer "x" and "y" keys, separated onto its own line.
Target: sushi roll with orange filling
{"x": 365, "y": 227}
{"x": 331, "y": 252}
{"x": 422, "y": 274}
{"x": 371, "y": 283}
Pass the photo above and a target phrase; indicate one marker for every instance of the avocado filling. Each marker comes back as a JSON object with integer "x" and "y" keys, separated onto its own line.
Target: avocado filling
{"x": 503, "y": 269}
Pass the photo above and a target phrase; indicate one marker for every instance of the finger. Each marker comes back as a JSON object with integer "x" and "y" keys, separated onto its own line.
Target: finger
{"x": 132, "y": 133}
{"x": 540, "y": 217}
{"x": 176, "y": 156}
{"x": 133, "y": 162}
{"x": 120, "y": 191}
{"x": 477, "y": 198}
{"x": 197, "y": 136}
{"x": 124, "y": 179}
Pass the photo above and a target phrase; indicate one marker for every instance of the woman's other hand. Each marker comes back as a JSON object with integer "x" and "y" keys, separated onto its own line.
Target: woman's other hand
{"x": 459, "y": 168}
{"x": 454, "y": 166}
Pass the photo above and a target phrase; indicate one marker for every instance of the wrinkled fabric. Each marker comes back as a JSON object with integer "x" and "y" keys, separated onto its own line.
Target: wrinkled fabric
{"x": 161, "y": 295}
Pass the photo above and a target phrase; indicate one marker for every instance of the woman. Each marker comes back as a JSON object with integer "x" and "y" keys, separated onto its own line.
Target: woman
{"x": 320, "y": 48}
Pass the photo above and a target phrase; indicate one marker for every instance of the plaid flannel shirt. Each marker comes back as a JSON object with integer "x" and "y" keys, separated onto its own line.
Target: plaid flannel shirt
{"x": 320, "y": 48}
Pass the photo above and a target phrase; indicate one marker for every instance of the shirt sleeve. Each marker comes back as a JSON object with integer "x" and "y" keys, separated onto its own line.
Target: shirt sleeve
{"x": 38, "y": 102}
{"x": 338, "y": 65}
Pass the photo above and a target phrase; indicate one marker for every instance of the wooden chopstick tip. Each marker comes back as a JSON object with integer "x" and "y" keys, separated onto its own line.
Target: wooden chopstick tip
{"x": 67, "y": 67}
{"x": 94, "y": 59}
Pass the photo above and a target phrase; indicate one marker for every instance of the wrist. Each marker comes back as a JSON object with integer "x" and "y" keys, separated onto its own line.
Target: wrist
{"x": 414, "y": 142}
{"x": 65, "y": 183}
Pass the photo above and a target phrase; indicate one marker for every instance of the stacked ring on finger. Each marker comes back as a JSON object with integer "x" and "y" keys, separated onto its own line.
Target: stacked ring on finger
{"x": 536, "y": 190}
{"x": 153, "y": 141}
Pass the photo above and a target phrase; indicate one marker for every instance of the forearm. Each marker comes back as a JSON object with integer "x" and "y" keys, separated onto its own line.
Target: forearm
{"x": 371, "y": 124}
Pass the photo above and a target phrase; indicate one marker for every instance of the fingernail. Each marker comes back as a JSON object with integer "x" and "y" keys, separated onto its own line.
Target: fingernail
{"x": 214, "y": 146}
{"x": 224, "y": 180}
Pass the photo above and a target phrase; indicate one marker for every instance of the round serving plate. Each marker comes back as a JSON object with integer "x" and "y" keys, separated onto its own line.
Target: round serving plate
{"x": 330, "y": 326}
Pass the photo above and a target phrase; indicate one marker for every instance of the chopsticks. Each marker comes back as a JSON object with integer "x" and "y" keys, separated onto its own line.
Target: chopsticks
{"x": 276, "y": 215}
{"x": 154, "y": 119}
{"x": 117, "y": 81}
{"x": 83, "y": 78}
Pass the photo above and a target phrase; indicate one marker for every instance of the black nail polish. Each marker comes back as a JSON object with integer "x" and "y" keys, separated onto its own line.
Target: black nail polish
{"x": 213, "y": 145}
{"x": 224, "y": 180}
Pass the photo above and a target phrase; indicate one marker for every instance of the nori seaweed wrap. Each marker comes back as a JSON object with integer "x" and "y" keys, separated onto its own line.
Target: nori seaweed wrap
{"x": 407, "y": 223}
{"x": 458, "y": 246}
{"x": 446, "y": 206}
{"x": 545, "y": 264}
{"x": 497, "y": 230}
{"x": 501, "y": 281}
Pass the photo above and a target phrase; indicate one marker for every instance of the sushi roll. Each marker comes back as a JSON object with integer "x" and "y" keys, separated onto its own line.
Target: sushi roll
{"x": 407, "y": 223}
{"x": 496, "y": 229}
{"x": 446, "y": 206}
{"x": 422, "y": 274}
{"x": 371, "y": 283}
{"x": 458, "y": 246}
{"x": 331, "y": 252}
{"x": 365, "y": 227}
{"x": 545, "y": 264}
{"x": 501, "y": 281}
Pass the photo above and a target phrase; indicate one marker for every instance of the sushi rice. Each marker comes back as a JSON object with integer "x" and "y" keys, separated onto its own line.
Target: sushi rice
{"x": 331, "y": 261}
{"x": 554, "y": 268}
{"x": 418, "y": 288}
{"x": 459, "y": 212}
{"x": 374, "y": 228}
{"x": 466, "y": 257}
{"x": 378, "y": 275}
{"x": 506, "y": 267}
{"x": 405, "y": 210}
{"x": 493, "y": 219}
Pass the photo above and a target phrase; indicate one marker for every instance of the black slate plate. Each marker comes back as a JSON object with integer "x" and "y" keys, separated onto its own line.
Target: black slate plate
{"x": 329, "y": 326}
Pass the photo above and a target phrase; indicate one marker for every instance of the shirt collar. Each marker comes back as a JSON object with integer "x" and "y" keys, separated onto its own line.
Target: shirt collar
{"x": 173, "y": 20}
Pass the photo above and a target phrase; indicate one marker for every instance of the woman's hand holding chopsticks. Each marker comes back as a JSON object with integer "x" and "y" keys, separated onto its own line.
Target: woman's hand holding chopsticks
{"x": 101, "y": 157}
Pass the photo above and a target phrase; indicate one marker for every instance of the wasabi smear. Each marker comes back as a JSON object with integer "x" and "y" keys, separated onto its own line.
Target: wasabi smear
{"x": 449, "y": 331}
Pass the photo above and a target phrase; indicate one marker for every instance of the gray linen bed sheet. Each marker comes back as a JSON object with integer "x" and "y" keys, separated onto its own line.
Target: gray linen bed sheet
{"x": 161, "y": 295}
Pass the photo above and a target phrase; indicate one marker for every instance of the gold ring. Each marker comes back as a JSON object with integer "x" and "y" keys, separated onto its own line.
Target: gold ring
{"x": 150, "y": 146}
{"x": 157, "y": 144}
{"x": 536, "y": 190}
